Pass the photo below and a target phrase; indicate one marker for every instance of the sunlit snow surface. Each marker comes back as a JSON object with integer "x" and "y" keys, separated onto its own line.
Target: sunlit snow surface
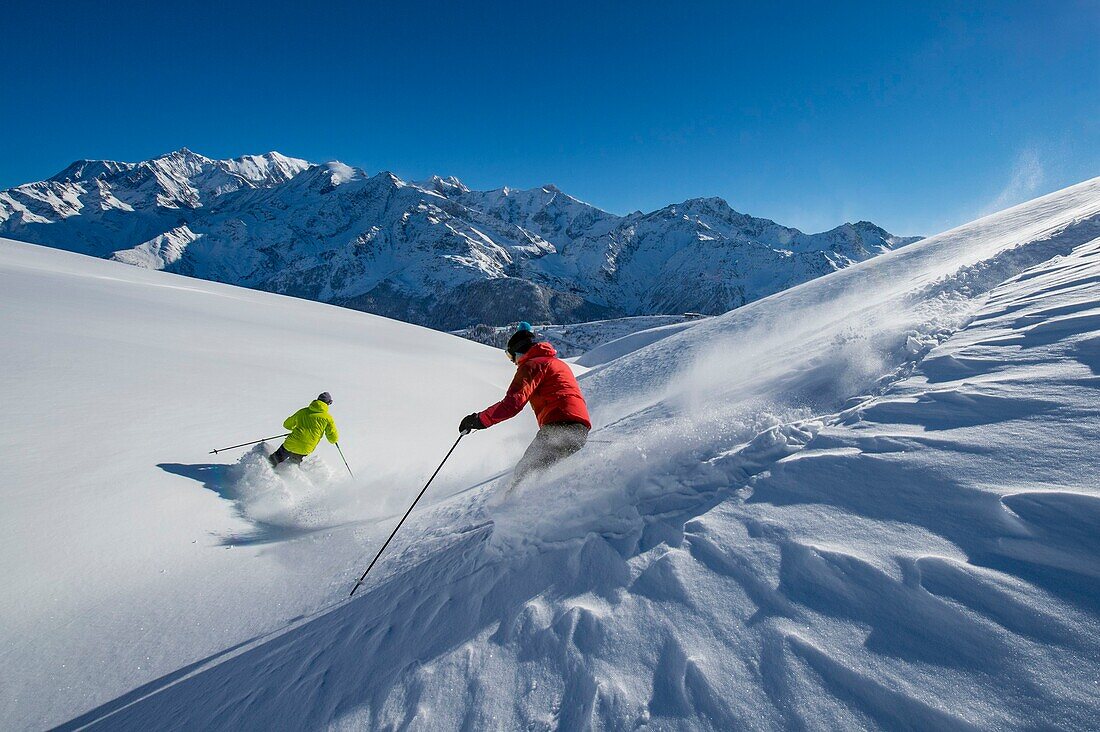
{"x": 126, "y": 549}
{"x": 869, "y": 501}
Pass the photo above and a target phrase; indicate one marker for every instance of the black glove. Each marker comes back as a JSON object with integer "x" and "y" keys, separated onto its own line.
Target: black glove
{"x": 470, "y": 423}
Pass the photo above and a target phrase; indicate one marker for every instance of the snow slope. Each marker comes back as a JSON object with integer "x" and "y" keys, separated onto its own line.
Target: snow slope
{"x": 866, "y": 502}
{"x": 127, "y": 550}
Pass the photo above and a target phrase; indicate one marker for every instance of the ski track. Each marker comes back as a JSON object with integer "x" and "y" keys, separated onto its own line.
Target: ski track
{"x": 865, "y": 566}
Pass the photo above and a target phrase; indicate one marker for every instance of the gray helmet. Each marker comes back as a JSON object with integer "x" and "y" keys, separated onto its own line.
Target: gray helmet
{"x": 325, "y": 397}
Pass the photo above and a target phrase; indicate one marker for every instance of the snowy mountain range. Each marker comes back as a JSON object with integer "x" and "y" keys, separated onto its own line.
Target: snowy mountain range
{"x": 431, "y": 252}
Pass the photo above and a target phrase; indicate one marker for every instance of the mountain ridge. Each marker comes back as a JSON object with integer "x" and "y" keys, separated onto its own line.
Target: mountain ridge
{"x": 432, "y": 252}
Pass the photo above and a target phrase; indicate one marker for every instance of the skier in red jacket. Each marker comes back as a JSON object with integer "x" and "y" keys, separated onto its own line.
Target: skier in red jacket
{"x": 548, "y": 383}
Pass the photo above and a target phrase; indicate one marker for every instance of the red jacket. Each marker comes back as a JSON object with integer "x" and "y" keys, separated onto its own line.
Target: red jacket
{"x": 547, "y": 382}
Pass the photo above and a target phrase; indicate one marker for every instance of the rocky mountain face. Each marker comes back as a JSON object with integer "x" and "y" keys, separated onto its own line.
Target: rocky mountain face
{"x": 430, "y": 252}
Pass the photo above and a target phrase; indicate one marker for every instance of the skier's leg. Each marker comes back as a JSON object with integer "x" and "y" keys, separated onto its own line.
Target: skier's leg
{"x": 553, "y": 443}
{"x": 571, "y": 439}
{"x": 533, "y": 458}
{"x": 565, "y": 439}
{"x": 278, "y": 456}
{"x": 282, "y": 454}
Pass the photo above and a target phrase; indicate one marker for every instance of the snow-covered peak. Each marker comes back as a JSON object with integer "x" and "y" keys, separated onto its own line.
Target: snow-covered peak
{"x": 182, "y": 162}
{"x": 856, "y": 241}
{"x": 444, "y": 186}
{"x": 714, "y": 212}
{"x": 389, "y": 178}
{"x": 268, "y": 168}
{"x": 186, "y": 154}
{"x": 871, "y": 232}
{"x": 181, "y": 179}
{"x": 534, "y": 208}
{"x": 706, "y": 204}
{"x": 262, "y": 170}
{"x": 334, "y": 174}
{"x": 89, "y": 169}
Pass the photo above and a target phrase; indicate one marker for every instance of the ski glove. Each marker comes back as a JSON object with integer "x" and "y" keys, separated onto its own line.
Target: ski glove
{"x": 470, "y": 423}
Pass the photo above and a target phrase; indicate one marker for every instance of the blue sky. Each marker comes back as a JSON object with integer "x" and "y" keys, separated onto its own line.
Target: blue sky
{"x": 918, "y": 116}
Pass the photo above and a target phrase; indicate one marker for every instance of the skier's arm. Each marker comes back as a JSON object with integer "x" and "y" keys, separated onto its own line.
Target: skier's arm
{"x": 291, "y": 422}
{"x": 330, "y": 431}
{"x": 515, "y": 400}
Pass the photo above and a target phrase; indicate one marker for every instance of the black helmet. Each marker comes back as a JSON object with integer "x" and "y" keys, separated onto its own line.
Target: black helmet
{"x": 521, "y": 341}
{"x": 325, "y": 397}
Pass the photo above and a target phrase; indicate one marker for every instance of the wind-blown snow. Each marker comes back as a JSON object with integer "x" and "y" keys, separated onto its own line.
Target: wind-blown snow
{"x": 866, "y": 502}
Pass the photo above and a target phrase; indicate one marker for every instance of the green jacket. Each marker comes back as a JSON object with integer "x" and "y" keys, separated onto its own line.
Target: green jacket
{"x": 307, "y": 426}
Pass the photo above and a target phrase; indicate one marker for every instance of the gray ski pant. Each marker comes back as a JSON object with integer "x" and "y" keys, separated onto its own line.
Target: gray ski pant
{"x": 552, "y": 443}
{"x": 283, "y": 454}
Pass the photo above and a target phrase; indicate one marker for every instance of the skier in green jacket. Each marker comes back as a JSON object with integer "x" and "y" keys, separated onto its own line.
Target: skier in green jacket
{"x": 307, "y": 426}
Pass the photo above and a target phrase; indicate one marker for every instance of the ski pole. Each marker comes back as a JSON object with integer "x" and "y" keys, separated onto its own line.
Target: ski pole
{"x": 245, "y": 444}
{"x": 345, "y": 461}
{"x": 394, "y": 533}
